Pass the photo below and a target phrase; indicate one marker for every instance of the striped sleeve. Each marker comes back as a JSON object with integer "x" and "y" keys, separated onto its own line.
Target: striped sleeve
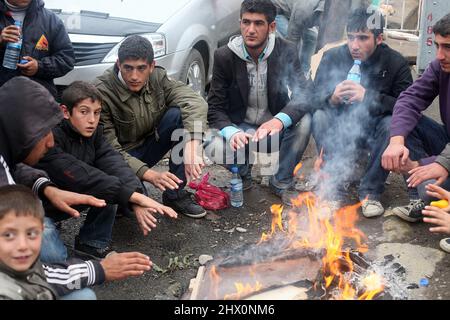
{"x": 73, "y": 275}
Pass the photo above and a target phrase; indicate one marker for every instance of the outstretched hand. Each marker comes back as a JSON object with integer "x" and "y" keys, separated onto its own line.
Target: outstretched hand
{"x": 64, "y": 200}
{"x": 119, "y": 266}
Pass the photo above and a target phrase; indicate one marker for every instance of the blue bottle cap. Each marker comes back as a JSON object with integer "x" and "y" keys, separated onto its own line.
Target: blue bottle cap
{"x": 358, "y": 62}
{"x": 424, "y": 282}
{"x": 23, "y": 61}
{"x": 234, "y": 170}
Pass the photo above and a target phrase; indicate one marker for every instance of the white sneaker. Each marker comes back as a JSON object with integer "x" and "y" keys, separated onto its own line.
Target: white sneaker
{"x": 445, "y": 245}
{"x": 372, "y": 209}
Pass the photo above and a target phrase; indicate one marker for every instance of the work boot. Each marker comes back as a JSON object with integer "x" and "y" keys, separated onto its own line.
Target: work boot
{"x": 411, "y": 212}
{"x": 184, "y": 204}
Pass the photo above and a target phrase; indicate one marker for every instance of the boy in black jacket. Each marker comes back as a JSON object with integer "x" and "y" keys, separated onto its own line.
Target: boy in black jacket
{"x": 83, "y": 160}
{"x": 23, "y": 277}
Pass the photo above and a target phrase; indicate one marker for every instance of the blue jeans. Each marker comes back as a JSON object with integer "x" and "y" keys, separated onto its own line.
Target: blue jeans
{"x": 291, "y": 144}
{"x": 373, "y": 136}
{"x": 96, "y": 232}
{"x": 157, "y": 145}
{"x": 428, "y": 139}
{"x": 307, "y": 44}
{"x": 83, "y": 294}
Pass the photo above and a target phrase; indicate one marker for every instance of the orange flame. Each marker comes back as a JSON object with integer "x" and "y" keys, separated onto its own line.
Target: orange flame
{"x": 297, "y": 169}
{"x": 243, "y": 291}
{"x": 277, "y": 221}
{"x": 329, "y": 230}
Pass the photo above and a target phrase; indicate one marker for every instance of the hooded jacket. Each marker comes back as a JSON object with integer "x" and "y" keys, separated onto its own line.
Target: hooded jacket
{"x": 90, "y": 166}
{"x": 45, "y": 39}
{"x": 28, "y": 112}
{"x": 48, "y": 282}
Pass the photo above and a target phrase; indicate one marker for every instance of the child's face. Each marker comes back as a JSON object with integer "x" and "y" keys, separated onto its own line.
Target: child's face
{"x": 20, "y": 241}
{"x": 85, "y": 116}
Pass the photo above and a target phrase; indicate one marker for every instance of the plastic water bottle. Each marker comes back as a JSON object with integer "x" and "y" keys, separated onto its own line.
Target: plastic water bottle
{"x": 236, "y": 194}
{"x": 355, "y": 72}
{"x": 354, "y": 75}
{"x": 12, "y": 52}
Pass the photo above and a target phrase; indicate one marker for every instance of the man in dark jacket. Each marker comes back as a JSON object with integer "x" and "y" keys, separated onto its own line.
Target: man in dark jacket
{"x": 83, "y": 161}
{"x": 46, "y": 45}
{"x": 25, "y": 136}
{"x": 354, "y": 115}
{"x": 249, "y": 97}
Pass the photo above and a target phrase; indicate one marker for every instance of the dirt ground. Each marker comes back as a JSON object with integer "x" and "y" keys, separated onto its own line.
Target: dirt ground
{"x": 176, "y": 245}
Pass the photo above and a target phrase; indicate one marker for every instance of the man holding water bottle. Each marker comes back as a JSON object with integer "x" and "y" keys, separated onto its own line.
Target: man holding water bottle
{"x": 46, "y": 51}
{"x": 356, "y": 88}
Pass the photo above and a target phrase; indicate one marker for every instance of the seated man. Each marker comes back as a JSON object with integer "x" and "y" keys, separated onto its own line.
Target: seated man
{"x": 250, "y": 97}
{"x": 299, "y": 21}
{"x": 356, "y": 115}
{"x": 83, "y": 161}
{"x": 24, "y": 277}
{"x": 419, "y": 146}
{"x": 142, "y": 108}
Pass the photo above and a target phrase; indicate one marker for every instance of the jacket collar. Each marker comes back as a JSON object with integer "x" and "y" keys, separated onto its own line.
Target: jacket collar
{"x": 35, "y": 268}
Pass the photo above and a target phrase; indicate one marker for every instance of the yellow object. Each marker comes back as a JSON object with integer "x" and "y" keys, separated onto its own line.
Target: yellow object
{"x": 440, "y": 204}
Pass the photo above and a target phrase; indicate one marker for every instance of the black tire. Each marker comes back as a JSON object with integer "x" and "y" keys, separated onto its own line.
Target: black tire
{"x": 194, "y": 72}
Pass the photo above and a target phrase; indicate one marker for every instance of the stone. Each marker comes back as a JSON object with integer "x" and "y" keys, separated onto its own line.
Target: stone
{"x": 241, "y": 230}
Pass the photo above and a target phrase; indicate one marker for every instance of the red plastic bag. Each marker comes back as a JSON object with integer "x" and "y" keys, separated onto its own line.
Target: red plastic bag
{"x": 210, "y": 197}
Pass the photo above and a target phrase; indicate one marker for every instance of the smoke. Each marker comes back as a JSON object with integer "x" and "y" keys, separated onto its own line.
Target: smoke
{"x": 342, "y": 145}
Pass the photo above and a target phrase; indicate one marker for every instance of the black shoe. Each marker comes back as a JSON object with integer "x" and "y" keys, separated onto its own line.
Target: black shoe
{"x": 91, "y": 252}
{"x": 185, "y": 204}
{"x": 247, "y": 182}
{"x": 411, "y": 212}
{"x": 286, "y": 195}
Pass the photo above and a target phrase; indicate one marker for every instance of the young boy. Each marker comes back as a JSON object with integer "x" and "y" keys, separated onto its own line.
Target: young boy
{"x": 83, "y": 160}
{"x": 23, "y": 277}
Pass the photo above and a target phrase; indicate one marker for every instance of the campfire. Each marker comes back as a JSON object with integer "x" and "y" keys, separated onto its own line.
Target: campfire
{"x": 311, "y": 252}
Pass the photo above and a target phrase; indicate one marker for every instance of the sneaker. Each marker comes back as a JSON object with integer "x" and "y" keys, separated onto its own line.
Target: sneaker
{"x": 91, "y": 252}
{"x": 411, "y": 212}
{"x": 445, "y": 245}
{"x": 372, "y": 209}
{"x": 185, "y": 204}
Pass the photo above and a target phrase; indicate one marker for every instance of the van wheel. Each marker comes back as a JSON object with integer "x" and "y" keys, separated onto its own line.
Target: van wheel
{"x": 194, "y": 74}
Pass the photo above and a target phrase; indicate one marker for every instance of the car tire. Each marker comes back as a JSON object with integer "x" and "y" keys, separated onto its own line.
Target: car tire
{"x": 194, "y": 72}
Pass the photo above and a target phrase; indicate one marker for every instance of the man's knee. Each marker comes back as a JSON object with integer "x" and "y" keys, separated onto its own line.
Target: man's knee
{"x": 172, "y": 117}
{"x": 320, "y": 121}
{"x": 303, "y": 128}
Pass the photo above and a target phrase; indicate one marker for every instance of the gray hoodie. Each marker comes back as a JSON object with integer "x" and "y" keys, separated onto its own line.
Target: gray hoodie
{"x": 258, "y": 103}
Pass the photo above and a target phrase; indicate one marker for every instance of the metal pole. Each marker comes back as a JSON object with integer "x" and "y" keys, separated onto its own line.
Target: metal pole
{"x": 403, "y": 14}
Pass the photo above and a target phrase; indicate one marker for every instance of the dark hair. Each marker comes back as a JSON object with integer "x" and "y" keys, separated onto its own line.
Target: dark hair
{"x": 366, "y": 19}
{"x": 21, "y": 201}
{"x": 135, "y": 48}
{"x": 265, "y": 7}
{"x": 442, "y": 27}
{"x": 77, "y": 92}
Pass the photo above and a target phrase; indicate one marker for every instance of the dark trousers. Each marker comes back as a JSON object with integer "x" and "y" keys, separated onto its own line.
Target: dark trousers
{"x": 157, "y": 145}
{"x": 428, "y": 139}
{"x": 335, "y": 132}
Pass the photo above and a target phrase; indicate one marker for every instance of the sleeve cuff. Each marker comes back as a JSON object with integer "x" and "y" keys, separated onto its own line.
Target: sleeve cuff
{"x": 427, "y": 161}
{"x": 228, "y": 132}
{"x": 285, "y": 119}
